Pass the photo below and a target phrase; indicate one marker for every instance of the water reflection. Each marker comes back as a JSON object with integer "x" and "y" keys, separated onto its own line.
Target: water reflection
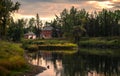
{"x": 77, "y": 64}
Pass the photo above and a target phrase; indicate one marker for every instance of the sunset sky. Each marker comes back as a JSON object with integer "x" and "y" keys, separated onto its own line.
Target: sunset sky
{"x": 48, "y": 8}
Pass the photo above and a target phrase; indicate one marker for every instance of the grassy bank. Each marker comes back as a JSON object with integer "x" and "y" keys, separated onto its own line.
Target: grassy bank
{"x": 12, "y": 61}
{"x": 102, "y": 52}
{"x": 100, "y": 42}
{"x": 48, "y": 44}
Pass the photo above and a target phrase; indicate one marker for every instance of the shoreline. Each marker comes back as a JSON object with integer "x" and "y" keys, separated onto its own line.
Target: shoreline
{"x": 34, "y": 70}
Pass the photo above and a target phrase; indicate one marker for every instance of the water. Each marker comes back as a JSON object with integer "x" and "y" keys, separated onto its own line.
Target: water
{"x": 76, "y": 64}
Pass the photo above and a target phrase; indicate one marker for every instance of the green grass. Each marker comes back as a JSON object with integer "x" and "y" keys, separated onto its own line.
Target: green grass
{"x": 100, "y": 42}
{"x": 48, "y": 44}
{"x": 61, "y": 51}
{"x": 100, "y": 46}
{"x": 11, "y": 59}
{"x": 97, "y": 51}
{"x": 45, "y": 41}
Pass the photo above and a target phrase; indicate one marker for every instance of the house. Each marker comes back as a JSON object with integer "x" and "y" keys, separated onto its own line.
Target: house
{"x": 47, "y": 32}
{"x": 30, "y": 35}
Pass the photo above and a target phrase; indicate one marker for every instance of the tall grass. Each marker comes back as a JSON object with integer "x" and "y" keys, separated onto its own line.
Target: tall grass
{"x": 48, "y": 44}
{"x": 100, "y": 42}
{"x": 11, "y": 58}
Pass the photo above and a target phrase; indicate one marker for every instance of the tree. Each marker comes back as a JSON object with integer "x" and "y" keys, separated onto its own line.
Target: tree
{"x": 32, "y": 25}
{"x": 16, "y": 30}
{"x": 73, "y": 18}
{"x": 97, "y": 24}
{"x": 77, "y": 33}
{"x": 38, "y": 26}
{"x": 6, "y": 8}
{"x": 56, "y": 31}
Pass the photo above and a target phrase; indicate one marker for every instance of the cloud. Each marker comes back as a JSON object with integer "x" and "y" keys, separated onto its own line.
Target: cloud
{"x": 48, "y": 8}
{"x": 56, "y": 1}
{"x": 116, "y": 4}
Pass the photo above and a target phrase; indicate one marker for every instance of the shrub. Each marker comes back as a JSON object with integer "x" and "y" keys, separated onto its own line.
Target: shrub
{"x": 11, "y": 58}
{"x": 4, "y": 72}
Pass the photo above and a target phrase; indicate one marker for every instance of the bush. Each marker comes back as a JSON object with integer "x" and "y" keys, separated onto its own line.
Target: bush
{"x": 4, "y": 72}
{"x": 11, "y": 58}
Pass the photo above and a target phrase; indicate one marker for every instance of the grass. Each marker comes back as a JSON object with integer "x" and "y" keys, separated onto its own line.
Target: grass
{"x": 11, "y": 59}
{"x": 48, "y": 44}
{"x": 100, "y": 46}
{"x": 100, "y": 42}
{"x": 97, "y": 51}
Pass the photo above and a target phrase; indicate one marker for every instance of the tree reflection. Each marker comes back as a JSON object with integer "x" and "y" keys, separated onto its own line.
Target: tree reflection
{"x": 82, "y": 65}
{"x": 78, "y": 64}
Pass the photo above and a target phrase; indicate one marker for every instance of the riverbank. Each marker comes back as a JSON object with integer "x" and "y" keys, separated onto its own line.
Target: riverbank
{"x": 13, "y": 63}
{"x": 100, "y": 42}
{"x": 48, "y": 44}
{"x": 34, "y": 70}
{"x": 100, "y": 52}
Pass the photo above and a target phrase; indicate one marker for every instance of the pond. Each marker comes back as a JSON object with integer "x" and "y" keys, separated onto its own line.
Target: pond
{"x": 75, "y": 64}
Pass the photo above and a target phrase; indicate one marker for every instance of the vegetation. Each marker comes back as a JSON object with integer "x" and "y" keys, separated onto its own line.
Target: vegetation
{"x": 6, "y": 8}
{"x": 98, "y": 24}
{"x": 100, "y": 42}
{"x": 77, "y": 25}
{"x": 12, "y": 61}
{"x": 15, "y": 30}
{"x": 50, "y": 44}
{"x": 38, "y": 26}
{"x": 61, "y": 51}
{"x": 100, "y": 52}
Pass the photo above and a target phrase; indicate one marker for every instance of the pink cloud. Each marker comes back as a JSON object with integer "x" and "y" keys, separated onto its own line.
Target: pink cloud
{"x": 47, "y": 10}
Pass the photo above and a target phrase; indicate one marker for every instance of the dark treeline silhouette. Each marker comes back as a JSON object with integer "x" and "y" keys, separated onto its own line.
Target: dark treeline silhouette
{"x": 97, "y": 24}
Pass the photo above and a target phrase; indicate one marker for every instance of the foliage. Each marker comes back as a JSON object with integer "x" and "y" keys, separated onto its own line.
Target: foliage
{"x": 6, "y": 8}
{"x": 96, "y": 24}
{"x": 11, "y": 59}
{"x": 38, "y": 26}
{"x": 100, "y": 42}
{"x": 34, "y": 25}
{"x": 50, "y": 44}
{"x": 71, "y": 19}
{"x": 104, "y": 23}
{"x": 98, "y": 51}
{"x": 57, "y": 30}
{"x": 16, "y": 30}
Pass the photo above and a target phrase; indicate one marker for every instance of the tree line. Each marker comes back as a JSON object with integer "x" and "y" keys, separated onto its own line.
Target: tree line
{"x": 14, "y": 30}
{"x": 76, "y": 23}
{"x": 97, "y": 24}
{"x": 18, "y": 28}
{"x": 71, "y": 23}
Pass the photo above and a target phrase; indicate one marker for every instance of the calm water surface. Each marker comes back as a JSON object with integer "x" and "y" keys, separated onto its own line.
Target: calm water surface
{"x": 76, "y": 64}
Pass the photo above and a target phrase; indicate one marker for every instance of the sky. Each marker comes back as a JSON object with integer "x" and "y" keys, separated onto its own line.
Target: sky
{"x": 47, "y": 9}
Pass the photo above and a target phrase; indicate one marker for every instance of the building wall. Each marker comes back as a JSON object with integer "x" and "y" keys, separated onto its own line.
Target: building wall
{"x": 47, "y": 33}
{"x": 30, "y": 36}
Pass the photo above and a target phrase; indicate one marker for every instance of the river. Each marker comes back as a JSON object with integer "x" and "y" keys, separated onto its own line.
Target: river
{"x": 75, "y": 64}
